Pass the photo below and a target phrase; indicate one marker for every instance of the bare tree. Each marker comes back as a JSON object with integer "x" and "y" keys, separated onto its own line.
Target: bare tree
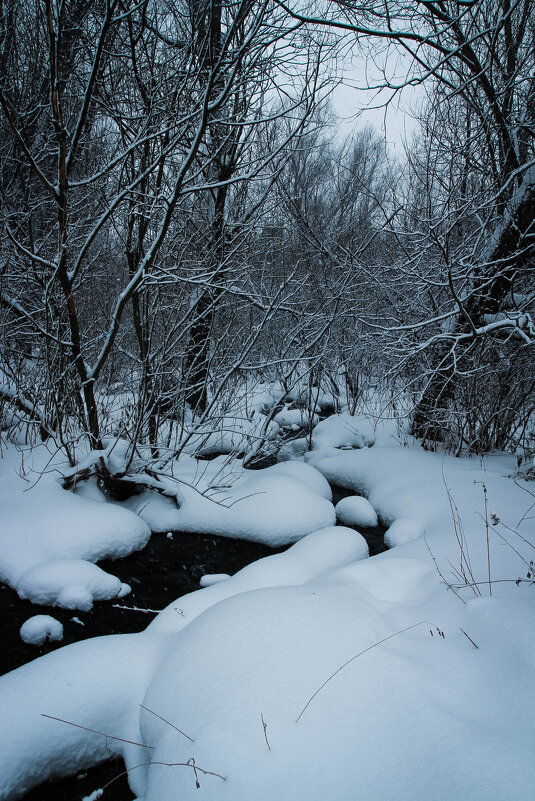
{"x": 477, "y": 58}
{"x": 124, "y": 116}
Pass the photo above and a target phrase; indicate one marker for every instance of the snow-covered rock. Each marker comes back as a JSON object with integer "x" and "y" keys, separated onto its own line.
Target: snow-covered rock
{"x": 44, "y": 524}
{"x": 277, "y": 506}
{"x": 70, "y": 583}
{"x": 40, "y": 628}
{"x": 356, "y": 511}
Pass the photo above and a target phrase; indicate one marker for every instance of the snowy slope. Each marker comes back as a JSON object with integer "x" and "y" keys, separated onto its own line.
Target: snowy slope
{"x": 320, "y": 673}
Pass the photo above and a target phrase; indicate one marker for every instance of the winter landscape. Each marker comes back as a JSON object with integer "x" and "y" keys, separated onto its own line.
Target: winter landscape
{"x": 267, "y": 401}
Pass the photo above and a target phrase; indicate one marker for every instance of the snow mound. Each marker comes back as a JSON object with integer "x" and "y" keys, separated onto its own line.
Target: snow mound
{"x": 70, "y": 583}
{"x": 305, "y": 473}
{"x": 229, "y": 434}
{"x": 356, "y": 511}
{"x": 40, "y": 628}
{"x": 277, "y": 506}
{"x": 291, "y": 689}
{"x": 312, "y": 556}
{"x": 344, "y": 431}
{"x": 295, "y": 419}
{"x": 210, "y": 579}
{"x": 403, "y": 530}
{"x": 42, "y": 522}
{"x": 294, "y": 449}
{"x": 98, "y": 683}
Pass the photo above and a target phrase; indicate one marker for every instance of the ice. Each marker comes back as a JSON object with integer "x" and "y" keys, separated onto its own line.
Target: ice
{"x": 40, "y": 628}
{"x": 356, "y": 511}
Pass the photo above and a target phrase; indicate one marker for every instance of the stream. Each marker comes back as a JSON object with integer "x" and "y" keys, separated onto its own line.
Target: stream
{"x": 167, "y": 568}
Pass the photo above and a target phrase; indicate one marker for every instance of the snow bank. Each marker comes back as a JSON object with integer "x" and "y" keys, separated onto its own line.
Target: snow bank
{"x": 100, "y": 683}
{"x": 315, "y": 673}
{"x": 97, "y": 683}
{"x": 43, "y": 524}
{"x": 40, "y": 628}
{"x": 344, "y": 431}
{"x": 70, "y": 583}
{"x": 442, "y": 499}
{"x": 276, "y": 506}
{"x": 411, "y": 715}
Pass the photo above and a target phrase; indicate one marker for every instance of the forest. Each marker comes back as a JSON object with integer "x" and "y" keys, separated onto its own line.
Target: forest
{"x": 231, "y": 318}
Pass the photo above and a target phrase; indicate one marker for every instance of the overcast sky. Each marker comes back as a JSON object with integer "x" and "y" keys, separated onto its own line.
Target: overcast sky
{"x": 355, "y": 105}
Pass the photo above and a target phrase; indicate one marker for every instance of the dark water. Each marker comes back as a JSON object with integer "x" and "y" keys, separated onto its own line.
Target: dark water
{"x": 375, "y": 537}
{"x": 164, "y": 570}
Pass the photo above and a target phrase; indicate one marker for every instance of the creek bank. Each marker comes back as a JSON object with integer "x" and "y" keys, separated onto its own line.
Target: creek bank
{"x": 166, "y": 569}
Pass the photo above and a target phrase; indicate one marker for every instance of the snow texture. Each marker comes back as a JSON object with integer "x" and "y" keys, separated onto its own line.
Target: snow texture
{"x": 356, "y": 511}
{"x": 276, "y": 506}
{"x": 316, "y": 673}
{"x": 344, "y": 431}
{"x": 70, "y": 583}
{"x": 50, "y": 537}
{"x": 213, "y": 578}
{"x": 40, "y": 628}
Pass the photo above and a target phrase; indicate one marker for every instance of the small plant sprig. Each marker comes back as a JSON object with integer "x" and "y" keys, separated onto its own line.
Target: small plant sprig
{"x": 190, "y": 763}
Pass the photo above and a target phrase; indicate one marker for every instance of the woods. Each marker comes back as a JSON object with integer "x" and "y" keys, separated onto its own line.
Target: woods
{"x": 180, "y": 219}
{"x": 267, "y": 400}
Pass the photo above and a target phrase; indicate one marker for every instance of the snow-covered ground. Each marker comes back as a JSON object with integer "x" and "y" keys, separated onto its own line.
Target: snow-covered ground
{"x": 314, "y": 674}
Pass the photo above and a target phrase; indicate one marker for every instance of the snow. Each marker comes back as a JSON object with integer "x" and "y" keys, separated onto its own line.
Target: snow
{"x": 213, "y": 578}
{"x": 70, "y": 583}
{"x": 295, "y": 419}
{"x": 96, "y": 794}
{"x": 276, "y": 506}
{"x": 40, "y": 628}
{"x": 50, "y": 537}
{"x": 344, "y": 431}
{"x": 356, "y": 511}
{"x": 228, "y": 434}
{"x": 315, "y": 673}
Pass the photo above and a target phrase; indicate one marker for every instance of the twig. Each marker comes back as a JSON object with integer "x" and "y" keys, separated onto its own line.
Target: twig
{"x": 441, "y": 574}
{"x": 264, "y": 725}
{"x": 369, "y": 648}
{"x": 137, "y": 609}
{"x": 168, "y": 722}
{"x": 471, "y": 640}
{"x": 486, "y": 520}
{"x": 94, "y": 731}
{"x": 191, "y": 764}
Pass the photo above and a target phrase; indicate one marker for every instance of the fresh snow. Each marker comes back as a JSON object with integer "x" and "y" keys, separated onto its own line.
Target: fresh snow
{"x": 50, "y": 537}
{"x": 356, "y": 511}
{"x": 213, "y": 578}
{"x": 276, "y": 506}
{"x": 40, "y": 628}
{"x": 70, "y": 583}
{"x": 315, "y": 673}
{"x": 344, "y": 431}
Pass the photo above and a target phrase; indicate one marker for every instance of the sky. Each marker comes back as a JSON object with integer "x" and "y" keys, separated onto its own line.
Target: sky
{"x": 390, "y": 114}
